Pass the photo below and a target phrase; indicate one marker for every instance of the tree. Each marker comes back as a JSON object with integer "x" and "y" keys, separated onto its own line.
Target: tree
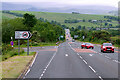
{"x": 29, "y": 20}
{"x": 79, "y": 27}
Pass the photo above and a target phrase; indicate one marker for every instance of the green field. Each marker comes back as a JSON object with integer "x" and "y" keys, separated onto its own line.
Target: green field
{"x": 60, "y": 17}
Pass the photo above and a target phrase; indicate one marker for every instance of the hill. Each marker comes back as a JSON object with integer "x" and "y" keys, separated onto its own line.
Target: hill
{"x": 61, "y": 17}
{"x": 56, "y": 7}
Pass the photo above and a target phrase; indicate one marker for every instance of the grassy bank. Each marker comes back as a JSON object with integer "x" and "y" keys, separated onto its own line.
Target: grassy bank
{"x": 15, "y": 65}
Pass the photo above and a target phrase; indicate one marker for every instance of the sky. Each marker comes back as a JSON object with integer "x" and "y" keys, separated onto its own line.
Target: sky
{"x": 113, "y": 3}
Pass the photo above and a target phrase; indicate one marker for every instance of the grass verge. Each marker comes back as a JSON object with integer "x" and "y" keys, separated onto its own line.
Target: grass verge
{"x": 12, "y": 67}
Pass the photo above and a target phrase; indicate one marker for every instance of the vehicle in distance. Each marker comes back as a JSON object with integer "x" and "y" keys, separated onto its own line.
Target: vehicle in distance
{"x": 107, "y": 47}
{"x": 87, "y": 45}
{"x": 73, "y": 40}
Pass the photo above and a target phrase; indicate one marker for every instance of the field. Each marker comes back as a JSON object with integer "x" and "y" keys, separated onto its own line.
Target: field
{"x": 60, "y": 17}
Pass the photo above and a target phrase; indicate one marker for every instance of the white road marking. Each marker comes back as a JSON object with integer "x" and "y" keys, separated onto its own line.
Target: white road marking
{"x": 107, "y": 57}
{"x": 41, "y": 75}
{"x": 27, "y": 72}
{"x": 81, "y": 57}
{"x": 34, "y": 59}
{"x": 84, "y": 61}
{"x": 31, "y": 64}
{"x": 77, "y": 54}
{"x": 92, "y": 69}
{"x": 66, "y": 55}
{"x": 91, "y": 54}
{"x": 116, "y": 61}
{"x": 47, "y": 65}
{"x": 100, "y": 77}
{"x": 87, "y": 64}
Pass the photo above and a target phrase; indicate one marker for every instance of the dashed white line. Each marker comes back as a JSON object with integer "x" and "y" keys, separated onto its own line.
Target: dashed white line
{"x": 41, "y": 75}
{"x": 84, "y": 61}
{"x": 47, "y": 65}
{"x": 116, "y": 61}
{"x": 92, "y": 69}
{"x": 81, "y": 57}
{"x": 107, "y": 57}
{"x": 66, "y": 55}
{"x": 100, "y": 77}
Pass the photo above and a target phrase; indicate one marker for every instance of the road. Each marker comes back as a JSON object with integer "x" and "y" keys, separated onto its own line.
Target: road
{"x": 69, "y": 61}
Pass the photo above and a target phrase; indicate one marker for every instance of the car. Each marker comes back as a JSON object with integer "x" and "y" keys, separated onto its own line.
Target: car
{"x": 107, "y": 47}
{"x": 87, "y": 45}
{"x": 73, "y": 40}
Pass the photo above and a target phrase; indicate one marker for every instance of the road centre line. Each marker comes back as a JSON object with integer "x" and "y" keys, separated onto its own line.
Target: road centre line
{"x": 92, "y": 69}
{"x": 87, "y": 63}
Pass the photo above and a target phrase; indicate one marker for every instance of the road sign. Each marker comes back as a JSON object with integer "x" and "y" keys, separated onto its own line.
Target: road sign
{"x": 22, "y": 34}
{"x": 83, "y": 37}
{"x": 75, "y": 36}
{"x": 61, "y": 36}
{"x": 11, "y": 43}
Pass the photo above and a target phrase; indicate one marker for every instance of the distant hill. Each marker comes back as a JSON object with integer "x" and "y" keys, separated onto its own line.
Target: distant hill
{"x": 83, "y": 9}
{"x": 114, "y": 13}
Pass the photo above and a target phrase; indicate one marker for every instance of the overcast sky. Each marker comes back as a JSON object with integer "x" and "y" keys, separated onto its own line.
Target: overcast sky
{"x": 113, "y": 3}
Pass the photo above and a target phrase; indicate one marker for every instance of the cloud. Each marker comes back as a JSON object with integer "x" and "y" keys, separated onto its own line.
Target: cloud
{"x": 73, "y": 2}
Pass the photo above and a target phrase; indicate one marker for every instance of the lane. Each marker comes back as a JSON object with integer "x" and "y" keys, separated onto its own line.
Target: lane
{"x": 39, "y": 65}
{"x": 112, "y": 56}
{"x": 66, "y": 64}
{"x": 103, "y": 66}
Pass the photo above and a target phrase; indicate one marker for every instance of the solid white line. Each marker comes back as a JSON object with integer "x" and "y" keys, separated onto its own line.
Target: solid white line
{"x": 31, "y": 64}
{"x": 34, "y": 60}
{"x": 92, "y": 69}
{"x": 77, "y": 54}
{"x": 27, "y": 72}
{"x": 84, "y": 61}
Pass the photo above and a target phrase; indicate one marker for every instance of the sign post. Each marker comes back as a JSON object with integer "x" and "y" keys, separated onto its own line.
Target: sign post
{"x": 18, "y": 47}
{"x": 23, "y": 35}
{"x": 28, "y": 47}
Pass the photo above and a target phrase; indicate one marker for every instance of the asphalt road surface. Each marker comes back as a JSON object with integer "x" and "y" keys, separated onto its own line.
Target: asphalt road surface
{"x": 68, "y": 60}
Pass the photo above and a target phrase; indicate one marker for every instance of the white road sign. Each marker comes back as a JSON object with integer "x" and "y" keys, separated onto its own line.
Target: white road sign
{"x": 22, "y": 34}
{"x": 75, "y": 36}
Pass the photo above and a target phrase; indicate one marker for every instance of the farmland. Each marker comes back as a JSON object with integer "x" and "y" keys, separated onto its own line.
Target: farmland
{"x": 61, "y": 17}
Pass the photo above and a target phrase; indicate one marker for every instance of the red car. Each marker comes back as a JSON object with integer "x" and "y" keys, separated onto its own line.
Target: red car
{"x": 87, "y": 45}
{"x": 107, "y": 47}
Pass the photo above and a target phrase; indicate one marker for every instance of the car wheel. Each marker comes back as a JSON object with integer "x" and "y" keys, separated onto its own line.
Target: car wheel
{"x": 92, "y": 47}
{"x": 86, "y": 47}
{"x": 112, "y": 51}
{"x": 101, "y": 51}
{"x": 81, "y": 47}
